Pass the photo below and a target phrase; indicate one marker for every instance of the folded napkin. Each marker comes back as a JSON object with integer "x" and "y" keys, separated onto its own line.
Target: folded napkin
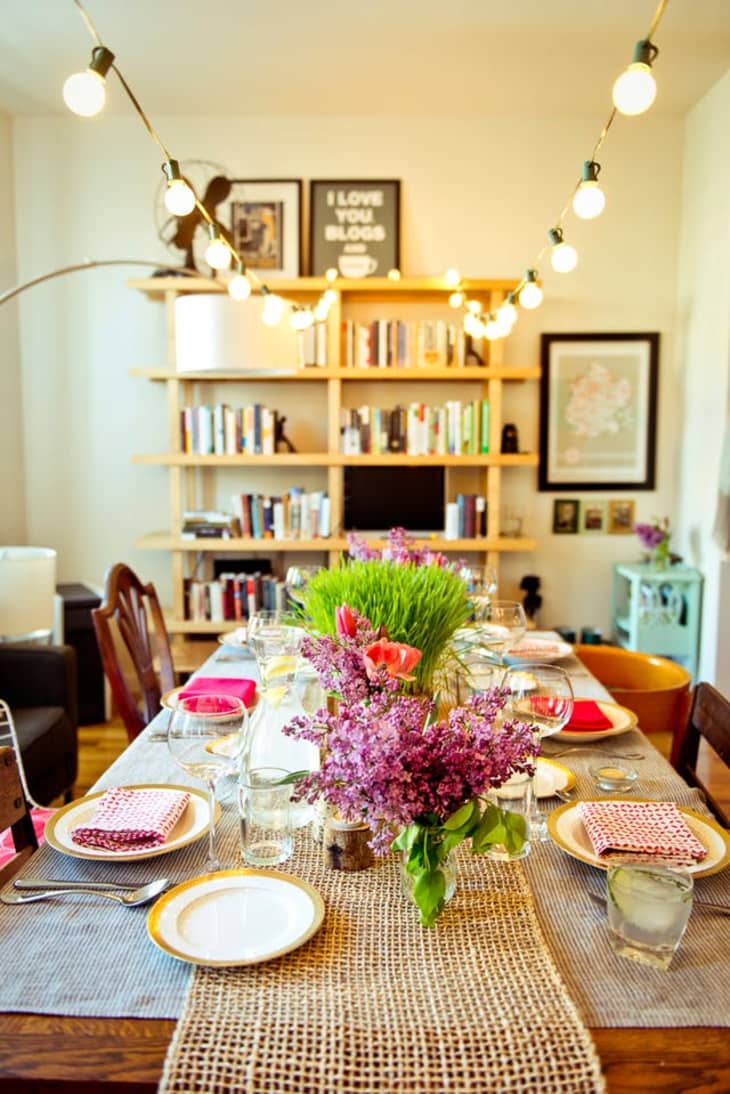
{"x": 533, "y": 648}
{"x": 587, "y": 716}
{"x": 220, "y": 685}
{"x": 620, "y": 829}
{"x": 130, "y": 819}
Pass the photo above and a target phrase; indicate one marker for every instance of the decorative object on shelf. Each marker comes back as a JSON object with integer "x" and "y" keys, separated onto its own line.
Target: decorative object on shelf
{"x": 354, "y": 227}
{"x": 27, "y": 591}
{"x": 532, "y": 601}
{"x": 654, "y": 538}
{"x": 621, "y": 516}
{"x": 565, "y": 516}
{"x": 510, "y": 438}
{"x": 388, "y": 762}
{"x": 598, "y": 399}
{"x": 593, "y": 516}
{"x": 280, "y": 437}
{"x": 264, "y": 220}
{"x": 414, "y": 594}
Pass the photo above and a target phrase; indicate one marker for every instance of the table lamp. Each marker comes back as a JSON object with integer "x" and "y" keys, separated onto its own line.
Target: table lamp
{"x": 27, "y": 591}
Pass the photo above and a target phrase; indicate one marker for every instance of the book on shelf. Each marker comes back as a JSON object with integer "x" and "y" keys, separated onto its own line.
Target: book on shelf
{"x": 456, "y": 428}
{"x": 232, "y": 597}
{"x": 204, "y": 524}
{"x": 397, "y": 343}
{"x": 296, "y": 514}
{"x": 223, "y": 430}
{"x": 466, "y": 518}
{"x": 312, "y": 346}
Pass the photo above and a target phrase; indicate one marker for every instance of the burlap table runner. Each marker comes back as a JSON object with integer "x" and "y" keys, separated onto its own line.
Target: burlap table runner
{"x": 375, "y": 1002}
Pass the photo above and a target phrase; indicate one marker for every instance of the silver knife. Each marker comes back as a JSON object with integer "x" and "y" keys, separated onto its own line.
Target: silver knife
{"x": 722, "y": 909}
{"x": 46, "y": 883}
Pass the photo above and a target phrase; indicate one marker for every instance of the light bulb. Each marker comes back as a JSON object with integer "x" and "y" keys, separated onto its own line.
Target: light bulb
{"x": 474, "y": 306}
{"x": 452, "y": 278}
{"x": 589, "y": 199}
{"x": 473, "y": 325}
{"x": 635, "y": 89}
{"x": 331, "y": 273}
{"x": 179, "y": 198}
{"x": 239, "y": 287}
{"x": 329, "y": 295}
{"x": 456, "y": 299}
{"x": 321, "y": 310}
{"x": 491, "y": 328}
{"x": 394, "y": 275}
{"x": 217, "y": 255}
{"x": 85, "y": 92}
{"x": 531, "y": 293}
{"x": 273, "y": 309}
{"x": 507, "y": 312}
{"x": 302, "y": 319}
{"x": 563, "y": 257}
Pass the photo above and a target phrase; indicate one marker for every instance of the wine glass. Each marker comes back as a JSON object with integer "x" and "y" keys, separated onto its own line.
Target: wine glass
{"x": 297, "y": 580}
{"x": 502, "y": 623}
{"x": 481, "y": 586}
{"x": 205, "y": 737}
{"x": 543, "y": 696}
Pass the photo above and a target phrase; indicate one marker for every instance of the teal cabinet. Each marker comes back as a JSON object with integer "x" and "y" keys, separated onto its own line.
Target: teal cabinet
{"x": 658, "y": 611}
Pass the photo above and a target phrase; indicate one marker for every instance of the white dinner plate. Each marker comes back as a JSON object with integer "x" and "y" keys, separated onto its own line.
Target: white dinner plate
{"x": 622, "y": 720}
{"x": 542, "y": 650}
{"x": 234, "y": 639}
{"x": 235, "y": 917}
{"x": 567, "y": 830}
{"x": 551, "y": 776}
{"x": 193, "y": 824}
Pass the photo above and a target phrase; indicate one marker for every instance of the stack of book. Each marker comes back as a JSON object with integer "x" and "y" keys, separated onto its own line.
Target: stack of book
{"x": 233, "y": 596}
{"x": 466, "y": 518}
{"x": 204, "y": 524}
{"x": 224, "y": 430}
{"x": 394, "y": 343}
{"x": 455, "y": 429}
{"x": 296, "y": 514}
{"x": 312, "y": 345}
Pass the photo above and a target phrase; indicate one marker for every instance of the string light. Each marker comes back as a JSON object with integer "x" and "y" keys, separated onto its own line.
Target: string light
{"x": 85, "y": 92}
{"x": 301, "y": 319}
{"x": 217, "y": 254}
{"x": 456, "y": 299}
{"x": 273, "y": 309}
{"x": 635, "y": 89}
{"x": 563, "y": 257}
{"x": 394, "y": 275}
{"x": 530, "y": 293}
{"x": 589, "y": 199}
{"x": 331, "y": 273}
{"x": 507, "y": 313}
{"x": 239, "y": 287}
{"x": 452, "y": 278}
{"x": 179, "y": 196}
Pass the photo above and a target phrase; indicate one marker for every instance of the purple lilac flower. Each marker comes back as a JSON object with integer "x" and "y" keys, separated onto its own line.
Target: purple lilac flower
{"x": 651, "y": 535}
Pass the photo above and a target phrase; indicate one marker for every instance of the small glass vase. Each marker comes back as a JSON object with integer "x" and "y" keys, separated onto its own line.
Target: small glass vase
{"x": 448, "y": 869}
{"x": 660, "y": 557}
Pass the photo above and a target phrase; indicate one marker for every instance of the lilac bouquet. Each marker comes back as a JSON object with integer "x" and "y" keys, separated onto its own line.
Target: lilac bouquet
{"x": 400, "y": 548}
{"x": 654, "y": 537}
{"x": 388, "y": 760}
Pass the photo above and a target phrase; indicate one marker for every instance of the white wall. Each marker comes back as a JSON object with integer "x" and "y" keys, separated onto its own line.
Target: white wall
{"x": 477, "y": 193}
{"x": 12, "y": 485}
{"x": 704, "y": 352}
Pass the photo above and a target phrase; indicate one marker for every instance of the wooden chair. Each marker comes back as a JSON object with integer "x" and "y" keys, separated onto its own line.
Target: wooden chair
{"x": 709, "y": 719}
{"x": 126, "y": 613}
{"x": 655, "y": 688}
{"x": 14, "y": 814}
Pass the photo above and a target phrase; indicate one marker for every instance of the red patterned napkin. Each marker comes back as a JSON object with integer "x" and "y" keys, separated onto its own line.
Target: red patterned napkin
{"x": 535, "y": 647}
{"x": 129, "y": 819}
{"x": 220, "y": 685}
{"x": 658, "y": 829}
{"x": 587, "y": 717}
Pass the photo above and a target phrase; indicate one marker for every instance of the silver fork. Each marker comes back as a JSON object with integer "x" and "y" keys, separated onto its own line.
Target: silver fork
{"x": 583, "y": 748}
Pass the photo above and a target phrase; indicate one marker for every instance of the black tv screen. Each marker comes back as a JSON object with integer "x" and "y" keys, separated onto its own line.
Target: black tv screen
{"x": 380, "y": 498}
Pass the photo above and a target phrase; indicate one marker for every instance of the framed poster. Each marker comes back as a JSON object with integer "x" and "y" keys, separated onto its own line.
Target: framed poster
{"x": 565, "y": 516}
{"x": 593, "y": 516}
{"x": 354, "y": 227}
{"x": 621, "y": 516}
{"x": 598, "y": 396}
{"x": 264, "y": 217}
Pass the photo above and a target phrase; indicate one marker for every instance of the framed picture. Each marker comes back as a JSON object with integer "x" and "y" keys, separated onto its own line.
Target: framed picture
{"x": 265, "y": 221}
{"x": 620, "y": 517}
{"x": 598, "y": 396}
{"x": 354, "y": 227}
{"x": 593, "y": 516}
{"x": 565, "y": 516}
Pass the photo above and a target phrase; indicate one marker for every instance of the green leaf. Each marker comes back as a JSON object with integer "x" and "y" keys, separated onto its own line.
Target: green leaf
{"x": 429, "y": 889}
{"x": 292, "y": 777}
{"x": 515, "y": 832}
{"x": 490, "y": 829}
{"x": 406, "y": 838}
{"x": 461, "y": 817}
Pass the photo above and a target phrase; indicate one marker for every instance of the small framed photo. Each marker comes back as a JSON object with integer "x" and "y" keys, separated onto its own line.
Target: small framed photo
{"x": 265, "y": 222}
{"x": 598, "y": 407}
{"x": 621, "y": 517}
{"x": 354, "y": 227}
{"x": 565, "y": 516}
{"x": 593, "y": 516}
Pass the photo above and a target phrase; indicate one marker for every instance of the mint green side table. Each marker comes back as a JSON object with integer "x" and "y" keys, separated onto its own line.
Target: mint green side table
{"x": 658, "y": 611}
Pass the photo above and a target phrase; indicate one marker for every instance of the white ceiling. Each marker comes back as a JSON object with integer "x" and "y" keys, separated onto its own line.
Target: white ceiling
{"x": 364, "y": 57}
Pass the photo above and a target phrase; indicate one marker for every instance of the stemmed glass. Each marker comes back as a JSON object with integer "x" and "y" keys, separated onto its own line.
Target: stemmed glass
{"x": 502, "y": 623}
{"x": 543, "y": 696}
{"x": 481, "y": 585}
{"x": 206, "y": 735}
{"x": 297, "y": 580}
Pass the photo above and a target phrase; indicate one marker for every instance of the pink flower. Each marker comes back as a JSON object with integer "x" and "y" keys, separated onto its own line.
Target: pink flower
{"x": 397, "y": 658}
{"x": 345, "y": 624}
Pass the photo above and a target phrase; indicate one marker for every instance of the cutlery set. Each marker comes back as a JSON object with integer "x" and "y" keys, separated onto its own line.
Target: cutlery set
{"x": 28, "y": 891}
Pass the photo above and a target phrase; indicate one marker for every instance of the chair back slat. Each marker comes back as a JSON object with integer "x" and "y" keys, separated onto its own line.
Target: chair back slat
{"x": 709, "y": 720}
{"x": 131, "y": 612}
{"x": 14, "y": 814}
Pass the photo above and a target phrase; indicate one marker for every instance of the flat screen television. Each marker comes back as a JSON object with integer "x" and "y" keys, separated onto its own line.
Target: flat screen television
{"x": 380, "y": 498}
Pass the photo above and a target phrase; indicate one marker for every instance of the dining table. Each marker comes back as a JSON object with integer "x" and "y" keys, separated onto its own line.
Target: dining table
{"x": 516, "y": 988}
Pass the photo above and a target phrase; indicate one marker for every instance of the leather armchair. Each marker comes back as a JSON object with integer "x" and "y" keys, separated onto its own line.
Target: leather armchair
{"x": 39, "y": 684}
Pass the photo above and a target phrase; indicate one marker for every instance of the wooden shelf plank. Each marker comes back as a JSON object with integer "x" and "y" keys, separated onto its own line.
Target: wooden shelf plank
{"x": 359, "y": 375}
{"x": 337, "y": 459}
{"x": 363, "y": 287}
{"x": 164, "y": 541}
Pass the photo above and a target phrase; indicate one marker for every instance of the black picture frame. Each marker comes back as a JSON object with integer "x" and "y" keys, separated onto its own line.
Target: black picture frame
{"x": 598, "y": 411}
{"x": 354, "y": 226}
{"x": 264, "y": 217}
{"x": 566, "y": 512}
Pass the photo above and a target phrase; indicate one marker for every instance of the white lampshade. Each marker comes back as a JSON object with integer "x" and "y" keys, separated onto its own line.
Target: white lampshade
{"x": 27, "y": 591}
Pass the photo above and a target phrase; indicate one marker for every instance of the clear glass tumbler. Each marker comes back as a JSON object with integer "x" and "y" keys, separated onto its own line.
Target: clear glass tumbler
{"x": 513, "y": 796}
{"x": 265, "y": 808}
{"x": 649, "y": 906}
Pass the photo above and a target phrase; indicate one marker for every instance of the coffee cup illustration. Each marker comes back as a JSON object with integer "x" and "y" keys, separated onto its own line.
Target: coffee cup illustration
{"x": 357, "y": 265}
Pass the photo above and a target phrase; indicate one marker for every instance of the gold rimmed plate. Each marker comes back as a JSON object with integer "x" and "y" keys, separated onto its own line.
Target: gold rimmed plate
{"x": 568, "y": 831}
{"x": 621, "y": 718}
{"x": 236, "y": 917}
{"x": 551, "y": 776}
{"x": 193, "y": 824}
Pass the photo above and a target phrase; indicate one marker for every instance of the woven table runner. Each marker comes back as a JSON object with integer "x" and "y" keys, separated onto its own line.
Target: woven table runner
{"x": 375, "y": 1002}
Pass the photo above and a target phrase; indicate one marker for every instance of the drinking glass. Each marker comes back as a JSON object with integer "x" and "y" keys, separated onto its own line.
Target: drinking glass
{"x": 275, "y": 640}
{"x": 266, "y": 824}
{"x": 648, "y": 905}
{"x": 481, "y": 586}
{"x": 205, "y": 736}
{"x": 513, "y": 796}
{"x": 502, "y": 623}
{"x": 543, "y": 696}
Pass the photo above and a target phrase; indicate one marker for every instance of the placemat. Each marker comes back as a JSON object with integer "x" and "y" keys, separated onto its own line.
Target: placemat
{"x": 375, "y": 1002}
